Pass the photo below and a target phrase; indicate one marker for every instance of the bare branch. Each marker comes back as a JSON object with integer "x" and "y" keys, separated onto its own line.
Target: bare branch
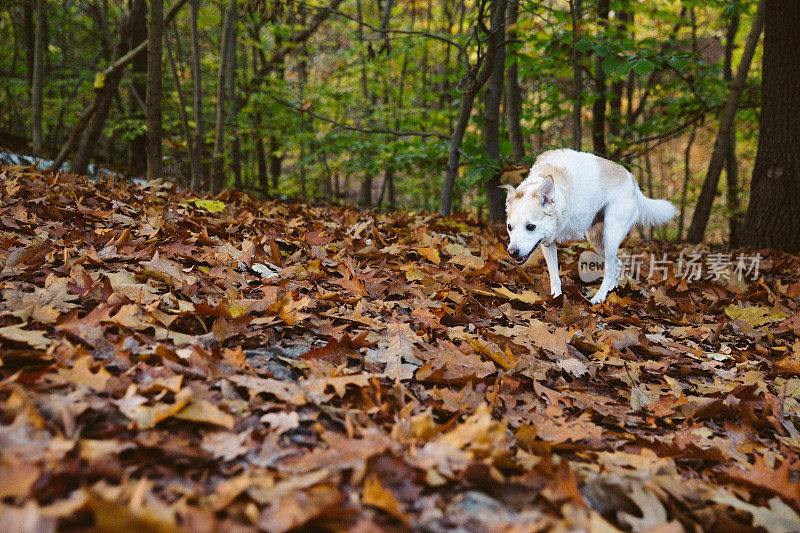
{"x": 123, "y": 61}
{"x": 396, "y": 133}
{"x": 280, "y": 52}
{"x": 462, "y": 49}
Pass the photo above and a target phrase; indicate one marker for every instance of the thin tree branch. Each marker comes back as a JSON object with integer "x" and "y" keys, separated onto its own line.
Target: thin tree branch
{"x": 664, "y": 136}
{"x": 462, "y": 49}
{"x": 123, "y": 61}
{"x": 396, "y": 133}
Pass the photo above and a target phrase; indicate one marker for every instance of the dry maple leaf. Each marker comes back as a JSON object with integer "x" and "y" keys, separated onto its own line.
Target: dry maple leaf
{"x": 81, "y": 373}
{"x": 376, "y": 495}
{"x": 448, "y": 395}
{"x": 777, "y": 518}
{"x": 33, "y": 338}
{"x": 773, "y": 480}
{"x": 206, "y": 412}
{"x": 145, "y": 417}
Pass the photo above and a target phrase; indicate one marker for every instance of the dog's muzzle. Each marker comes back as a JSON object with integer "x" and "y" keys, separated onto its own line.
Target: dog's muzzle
{"x": 520, "y": 258}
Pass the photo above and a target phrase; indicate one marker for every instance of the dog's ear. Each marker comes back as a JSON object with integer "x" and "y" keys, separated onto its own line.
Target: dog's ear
{"x": 511, "y": 190}
{"x": 547, "y": 193}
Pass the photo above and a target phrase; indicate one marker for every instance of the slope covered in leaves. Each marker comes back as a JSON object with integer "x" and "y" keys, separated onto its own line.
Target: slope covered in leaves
{"x": 229, "y": 364}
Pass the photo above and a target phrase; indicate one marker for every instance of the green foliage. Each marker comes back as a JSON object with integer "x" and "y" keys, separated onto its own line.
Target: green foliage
{"x": 347, "y": 76}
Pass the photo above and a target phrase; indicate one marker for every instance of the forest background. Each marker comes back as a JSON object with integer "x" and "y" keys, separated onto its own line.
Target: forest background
{"x": 402, "y": 103}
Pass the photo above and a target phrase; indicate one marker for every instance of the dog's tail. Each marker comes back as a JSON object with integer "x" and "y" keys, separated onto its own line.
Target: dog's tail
{"x": 653, "y": 212}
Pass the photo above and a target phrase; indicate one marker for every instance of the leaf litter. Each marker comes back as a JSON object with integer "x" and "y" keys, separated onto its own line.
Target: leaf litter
{"x": 180, "y": 363}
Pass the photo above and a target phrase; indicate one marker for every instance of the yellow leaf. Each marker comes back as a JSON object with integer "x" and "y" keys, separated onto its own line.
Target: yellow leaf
{"x": 791, "y": 361}
{"x": 431, "y": 254}
{"x": 82, "y": 374}
{"x": 469, "y": 261}
{"x": 528, "y": 297}
{"x": 215, "y": 206}
{"x": 414, "y": 274}
{"x": 205, "y": 411}
{"x": 146, "y": 417}
{"x": 236, "y": 309}
{"x": 479, "y": 433}
{"x": 99, "y": 80}
{"x": 755, "y": 316}
{"x": 377, "y": 496}
{"x": 506, "y": 360}
{"x": 289, "y": 309}
{"x": 34, "y": 338}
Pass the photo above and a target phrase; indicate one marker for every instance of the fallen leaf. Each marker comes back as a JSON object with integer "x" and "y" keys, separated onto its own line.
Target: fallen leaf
{"x": 777, "y": 518}
{"x": 215, "y": 206}
{"x": 754, "y": 315}
{"x": 33, "y": 338}
{"x": 205, "y": 412}
{"x": 526, "y": 296}
{"x": 376, "y": 495}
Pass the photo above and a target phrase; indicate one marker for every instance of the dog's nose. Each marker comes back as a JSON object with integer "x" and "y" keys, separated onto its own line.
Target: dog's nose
{"x": 513, "y": 251}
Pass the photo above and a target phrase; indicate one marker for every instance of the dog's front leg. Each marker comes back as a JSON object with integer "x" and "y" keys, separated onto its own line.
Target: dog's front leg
{"x": 552, "y": 269}
{"x": 619, "y": 220}
{"x": 610, "y": 276}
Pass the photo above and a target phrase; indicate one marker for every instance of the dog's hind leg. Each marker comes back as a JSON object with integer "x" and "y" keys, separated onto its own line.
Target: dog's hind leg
{"x": 618, "y": 222}
{"x": 552, "y": 269}
{"x": 595, "y": 237}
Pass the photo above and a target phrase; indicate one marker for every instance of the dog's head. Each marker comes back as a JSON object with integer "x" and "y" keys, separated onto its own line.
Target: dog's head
{"x": 531, "y": 217}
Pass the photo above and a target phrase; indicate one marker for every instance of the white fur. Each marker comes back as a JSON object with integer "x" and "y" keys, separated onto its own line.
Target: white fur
{"x": 564, "y": 207}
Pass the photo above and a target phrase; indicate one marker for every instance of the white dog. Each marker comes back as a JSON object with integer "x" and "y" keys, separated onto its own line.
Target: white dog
{"x": 570, "y": 194}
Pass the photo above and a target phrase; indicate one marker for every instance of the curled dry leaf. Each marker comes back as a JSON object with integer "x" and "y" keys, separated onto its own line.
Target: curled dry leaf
{"x": 224, "y": 364}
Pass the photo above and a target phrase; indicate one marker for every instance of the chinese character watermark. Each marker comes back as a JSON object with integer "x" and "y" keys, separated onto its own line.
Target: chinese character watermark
{"x": 716, "y": 266}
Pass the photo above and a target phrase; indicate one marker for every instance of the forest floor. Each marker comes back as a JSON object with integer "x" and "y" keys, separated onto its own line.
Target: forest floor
{"x": 170, "y": 362}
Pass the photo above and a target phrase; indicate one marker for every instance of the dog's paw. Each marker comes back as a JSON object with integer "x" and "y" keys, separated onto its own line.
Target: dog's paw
{"x": 555, "y": 292}
{"x": 597, "y": 299}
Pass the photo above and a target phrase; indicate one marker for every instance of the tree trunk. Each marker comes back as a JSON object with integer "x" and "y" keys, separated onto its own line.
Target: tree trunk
{"x": 599, "y": 104}
{"x": 198, "y": 154}
{"x": 94, "y": 117}
{"x": 306, "y": 125}
{"x": 236, "y": 155}
{"x": 703, "y": 209}
{"x": 467, "y": 100}
{"x": 275, "y": 162}
{"x": 155, "y": 31}
{"x": 648, "y": 169}
{"x": 37, "y": 81}
{"x": 390, "y": 180}
{"x": 731, "y": 168}
{"x": 187, "y": 132}
{"x": 29, "y": 36}
{"x": 513, "y": 91}
{"x": 443, "y": 89}
{"x": 734, "y": 206}
{"x": 687, "y": 175}
{"x": 365, "y": 195}
{"x": 138, "y": 90}
{"x": 389, "y": 172}
{"x": 217, "y": 179}
{"x": 575, "y": 10}
{"x": 276, "y": 151}
{"x": 112, "y": 75}
{"x": 773, "y": 217}
{"x": 261, "y": 160}
{"x": 56, "y": 133}
{"x": 618, "y": 85}
{"x": 495, "y": 197}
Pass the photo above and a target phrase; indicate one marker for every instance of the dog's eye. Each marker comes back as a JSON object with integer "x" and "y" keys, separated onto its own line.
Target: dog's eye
{"x": 509, "y": 227}
{"x": 530, "y": 227}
